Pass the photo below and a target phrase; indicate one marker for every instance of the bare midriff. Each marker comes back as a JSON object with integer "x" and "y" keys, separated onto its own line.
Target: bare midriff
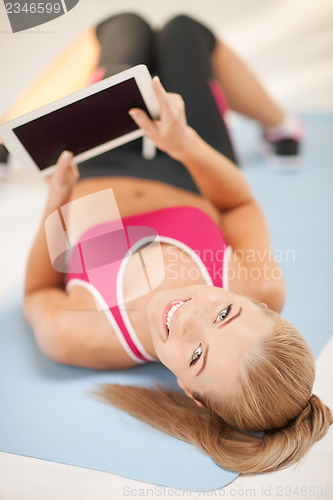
{"x": 134, "y": 196}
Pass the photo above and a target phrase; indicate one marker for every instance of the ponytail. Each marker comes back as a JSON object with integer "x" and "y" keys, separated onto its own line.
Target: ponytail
{"x": 285, "y": 446}
{"x": 178, "y": 415}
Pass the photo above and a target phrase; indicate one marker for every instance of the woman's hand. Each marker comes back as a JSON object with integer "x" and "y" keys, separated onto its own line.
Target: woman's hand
{"x": 61, "y": 183}
{"x": 170, "y": 133}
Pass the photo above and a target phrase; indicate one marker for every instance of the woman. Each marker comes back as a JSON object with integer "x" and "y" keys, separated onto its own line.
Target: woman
{"x": 212, "y": 318}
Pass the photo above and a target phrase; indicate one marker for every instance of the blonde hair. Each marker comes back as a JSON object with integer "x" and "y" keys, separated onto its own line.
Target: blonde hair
{"x": 273, "y": 395}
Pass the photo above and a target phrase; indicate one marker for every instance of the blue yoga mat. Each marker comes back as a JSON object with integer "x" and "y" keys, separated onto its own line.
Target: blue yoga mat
{"x": 48, "y": 413}
{"x": 46, "y": 409}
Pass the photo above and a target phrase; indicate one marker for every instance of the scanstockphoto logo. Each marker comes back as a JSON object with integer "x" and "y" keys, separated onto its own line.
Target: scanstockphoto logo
{"x": 24, "y": 15}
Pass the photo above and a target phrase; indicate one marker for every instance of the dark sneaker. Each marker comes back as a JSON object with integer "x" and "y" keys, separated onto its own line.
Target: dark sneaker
{"x": 285, "y": 147}
{"x": 282, "y": 144}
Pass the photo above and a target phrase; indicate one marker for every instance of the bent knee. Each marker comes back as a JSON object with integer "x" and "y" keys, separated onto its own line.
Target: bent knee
{"x": 181, "y": 22}
{"x": 123, "y": 22}
{"x": 183, "y": 27}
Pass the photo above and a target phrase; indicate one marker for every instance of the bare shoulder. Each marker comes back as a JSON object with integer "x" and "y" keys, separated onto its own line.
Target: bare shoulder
{"x": 70, "y": 330}
{"x": 260, "y": 279}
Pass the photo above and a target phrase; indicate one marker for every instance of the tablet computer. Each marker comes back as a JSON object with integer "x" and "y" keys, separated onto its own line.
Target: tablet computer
{"x": 88, "y": 122}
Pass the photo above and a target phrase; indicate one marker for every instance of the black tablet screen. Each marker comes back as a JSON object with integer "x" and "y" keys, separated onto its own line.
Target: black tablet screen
{"x": 82, "y": 125}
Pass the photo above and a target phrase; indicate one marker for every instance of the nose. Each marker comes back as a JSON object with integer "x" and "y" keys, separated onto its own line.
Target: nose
{"x": 188, "y": 324}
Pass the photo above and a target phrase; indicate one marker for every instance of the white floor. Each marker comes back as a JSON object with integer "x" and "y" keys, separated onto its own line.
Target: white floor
{"x": 289, "y": 43}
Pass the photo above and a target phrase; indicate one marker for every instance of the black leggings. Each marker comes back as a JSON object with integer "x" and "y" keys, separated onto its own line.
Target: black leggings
{"x": 180, "y": 55}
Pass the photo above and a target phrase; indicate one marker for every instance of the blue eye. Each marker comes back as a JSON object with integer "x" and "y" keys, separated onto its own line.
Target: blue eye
{"x": 224, "y": 313}
{"x": 196, "y": 355}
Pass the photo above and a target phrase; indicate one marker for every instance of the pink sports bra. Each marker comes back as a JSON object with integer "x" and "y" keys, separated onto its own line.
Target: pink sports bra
{"x": 98, "y": 260}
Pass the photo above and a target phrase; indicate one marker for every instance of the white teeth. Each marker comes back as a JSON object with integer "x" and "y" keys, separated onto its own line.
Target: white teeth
{"x": 172, "y": 311}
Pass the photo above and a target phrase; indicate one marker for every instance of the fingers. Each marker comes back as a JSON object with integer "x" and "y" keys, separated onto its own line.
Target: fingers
{"x": 75, "y": 172}
{"x": 143, "y": 121}
{"x": 161, "y": 93}
{"x": 65, "y": 159}
{"x": 66, "y": 166}
{"x": 170, "y": 103}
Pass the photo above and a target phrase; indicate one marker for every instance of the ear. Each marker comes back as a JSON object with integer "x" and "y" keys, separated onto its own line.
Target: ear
{"x": 198, "y": 402}
{"x": 182, "y": 386}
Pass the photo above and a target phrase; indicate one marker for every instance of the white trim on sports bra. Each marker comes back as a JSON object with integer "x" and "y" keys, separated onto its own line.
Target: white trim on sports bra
{"x": 105, "y": 308}
{"x": 121, "y": 272}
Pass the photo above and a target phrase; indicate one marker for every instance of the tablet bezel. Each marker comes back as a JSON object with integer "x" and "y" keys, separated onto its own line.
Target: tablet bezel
{"x": 143, "y": 80}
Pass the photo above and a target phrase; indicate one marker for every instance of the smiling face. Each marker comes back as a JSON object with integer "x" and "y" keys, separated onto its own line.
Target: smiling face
{"x": 209, "y": 331}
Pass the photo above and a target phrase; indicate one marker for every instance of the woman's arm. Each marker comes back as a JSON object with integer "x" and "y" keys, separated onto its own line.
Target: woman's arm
{"x": 218, "y": 178}
{"x": 43, "y": 293}
{"x": 254, "y": 269}
{"x": 65, "y": 331}
{"x": 40, "y": 273}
